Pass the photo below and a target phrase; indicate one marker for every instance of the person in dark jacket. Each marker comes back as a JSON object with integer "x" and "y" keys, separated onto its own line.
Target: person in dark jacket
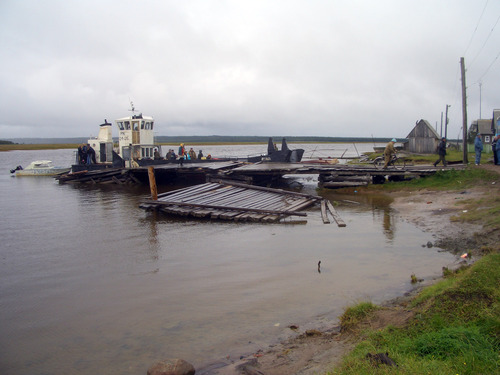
{"x": 478, "y": 147}
{"x": 90, "y": 155}
{"x": 494, "y": 146}
{"x": 441, "y": 152}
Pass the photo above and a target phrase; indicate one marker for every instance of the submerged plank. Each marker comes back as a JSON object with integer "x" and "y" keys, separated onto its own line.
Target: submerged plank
{"x": 324, "y": 214}
{"x": 335, "y": 215}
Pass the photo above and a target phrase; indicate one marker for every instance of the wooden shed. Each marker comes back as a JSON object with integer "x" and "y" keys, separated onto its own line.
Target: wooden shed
{"x": 423, "y": 139}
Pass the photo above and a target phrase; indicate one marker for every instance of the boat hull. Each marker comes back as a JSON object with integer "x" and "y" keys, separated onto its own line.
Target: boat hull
{"x": 41, "y": 172}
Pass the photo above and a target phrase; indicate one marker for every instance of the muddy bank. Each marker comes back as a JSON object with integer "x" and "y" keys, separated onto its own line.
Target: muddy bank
{"x": 316, "y": 352}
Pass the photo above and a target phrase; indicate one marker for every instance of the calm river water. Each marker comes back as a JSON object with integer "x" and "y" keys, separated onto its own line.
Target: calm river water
{"x": 92, "y": 284}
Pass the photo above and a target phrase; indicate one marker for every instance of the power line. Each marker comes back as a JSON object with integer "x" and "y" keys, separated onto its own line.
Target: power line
{"x": 487, "y": 38}
{"x": 488, "y": 69}
{"x": 477, "y": 25}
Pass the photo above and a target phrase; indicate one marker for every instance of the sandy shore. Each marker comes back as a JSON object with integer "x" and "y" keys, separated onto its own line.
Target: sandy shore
{"x": 315, "y": 352}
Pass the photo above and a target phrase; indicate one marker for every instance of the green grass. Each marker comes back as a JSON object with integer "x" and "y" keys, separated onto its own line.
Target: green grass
{"x": 456, "y": 329}
{"x": 355, "y": 314}
{"x": 447, "y": 180}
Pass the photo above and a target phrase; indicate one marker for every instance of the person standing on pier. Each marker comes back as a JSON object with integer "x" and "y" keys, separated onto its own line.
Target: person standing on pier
{"x": 182, "y": 150}
{"x": 441, "y": 152}
{"x": 478, "y": 147}
{"x": 90, "y": 155}
{"x": 389, "y": 151}
{"x": 192, "y": 154}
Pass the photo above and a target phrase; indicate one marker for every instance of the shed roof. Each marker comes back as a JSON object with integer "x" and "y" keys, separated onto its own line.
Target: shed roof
{"x": 423, "y": 129}
{"x": 484, "y": 127}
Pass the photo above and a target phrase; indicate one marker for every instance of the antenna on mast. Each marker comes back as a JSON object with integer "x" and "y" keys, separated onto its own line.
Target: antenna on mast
{"x": 132, "y": 108}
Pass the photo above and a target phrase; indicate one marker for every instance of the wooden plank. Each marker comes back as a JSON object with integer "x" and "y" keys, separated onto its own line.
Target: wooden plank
{"x": 183, "y": 204}
{"x": 212, "y": 194}
{"x": 219, "y": 197}
{"x": 280, "y": 191}
{"x": 335, "y": 215}
{"x": 240, "y": 200}
{"x": 187, "y": 191}
{"x": 258, "y": 201}
{"x": 324, "y": 214}
{"x": 343, "y": 184}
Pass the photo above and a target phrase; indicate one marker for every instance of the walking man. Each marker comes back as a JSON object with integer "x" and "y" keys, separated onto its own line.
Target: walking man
{"x": 441, "y": 152}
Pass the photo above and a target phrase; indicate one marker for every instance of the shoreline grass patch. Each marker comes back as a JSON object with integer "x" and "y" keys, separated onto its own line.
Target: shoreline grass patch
{"x": 456, "y": 329}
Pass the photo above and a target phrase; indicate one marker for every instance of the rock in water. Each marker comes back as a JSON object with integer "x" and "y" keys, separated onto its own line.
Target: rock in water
{"x": 172, "y": 367}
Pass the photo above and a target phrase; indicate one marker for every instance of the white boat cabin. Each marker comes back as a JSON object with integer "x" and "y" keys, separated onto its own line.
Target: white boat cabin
{"x": 136, "y": 137}
{"x": 103, "y": 143}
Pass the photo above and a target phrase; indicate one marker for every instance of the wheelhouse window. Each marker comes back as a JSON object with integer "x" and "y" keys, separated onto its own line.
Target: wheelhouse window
{"x": 120, "y": 125}
{"x": 127, "y": 125}
{"x": 142, "y": 124}
{"x": 147, "y": 152}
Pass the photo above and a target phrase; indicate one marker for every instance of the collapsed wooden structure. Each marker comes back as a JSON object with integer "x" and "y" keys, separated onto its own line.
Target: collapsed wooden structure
{"x": 238, "y": 202}
{"x": 100, "y": 176}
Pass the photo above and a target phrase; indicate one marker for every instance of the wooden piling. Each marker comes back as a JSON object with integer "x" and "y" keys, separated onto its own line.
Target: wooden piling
{"x": 152, "y": 183}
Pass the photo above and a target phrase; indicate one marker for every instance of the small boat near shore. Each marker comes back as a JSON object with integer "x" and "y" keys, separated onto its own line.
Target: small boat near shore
{"x": 39, "y": 168}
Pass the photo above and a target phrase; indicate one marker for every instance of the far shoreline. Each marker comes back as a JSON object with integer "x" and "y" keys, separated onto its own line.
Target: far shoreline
{"x": 58, "y": 146}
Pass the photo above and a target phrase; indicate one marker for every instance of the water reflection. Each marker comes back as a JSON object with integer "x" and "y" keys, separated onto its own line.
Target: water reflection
{"x": 379, "y": 203}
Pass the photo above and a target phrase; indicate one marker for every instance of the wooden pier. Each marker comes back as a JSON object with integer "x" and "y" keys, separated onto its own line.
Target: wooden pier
{"x": 337, "y": 175}
{"x": 238, "y": 202}
{"x": 262, "y": 173}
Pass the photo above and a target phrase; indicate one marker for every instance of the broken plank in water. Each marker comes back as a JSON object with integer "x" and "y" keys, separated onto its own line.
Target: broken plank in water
{"x": 335, "y": 215}
{"x": 324, "y": 214}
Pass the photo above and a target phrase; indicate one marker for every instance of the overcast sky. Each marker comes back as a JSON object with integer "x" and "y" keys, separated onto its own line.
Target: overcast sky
{"x": 246, "y": 67}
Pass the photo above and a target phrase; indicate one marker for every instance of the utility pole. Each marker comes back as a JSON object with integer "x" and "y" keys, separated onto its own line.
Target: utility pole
{"x": 441, "y": 132}
{"x": 464, "y": 111}
{"x": 480, "y": 92}
{"x": 446, "y": 122}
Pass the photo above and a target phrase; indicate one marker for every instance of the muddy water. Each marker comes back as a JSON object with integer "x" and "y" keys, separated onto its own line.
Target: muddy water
{"x": 90, "y": 283}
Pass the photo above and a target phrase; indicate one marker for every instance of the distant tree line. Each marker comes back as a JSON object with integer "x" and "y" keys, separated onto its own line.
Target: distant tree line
{"x": 210, "y": 139}
{"x": 2, "y": 142}
{"x": 262, "y": 139}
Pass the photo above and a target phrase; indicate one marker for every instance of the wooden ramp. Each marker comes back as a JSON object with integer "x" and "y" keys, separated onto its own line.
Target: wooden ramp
{"x": 235, "y": 202}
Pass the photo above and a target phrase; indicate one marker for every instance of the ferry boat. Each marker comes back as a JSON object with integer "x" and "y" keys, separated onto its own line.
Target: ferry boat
{"x": 137, "y": 147}
{"x": 136, "y": 144}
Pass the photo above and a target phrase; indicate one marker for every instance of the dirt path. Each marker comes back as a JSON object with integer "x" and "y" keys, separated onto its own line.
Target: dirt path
{"x": 315, "y": 352}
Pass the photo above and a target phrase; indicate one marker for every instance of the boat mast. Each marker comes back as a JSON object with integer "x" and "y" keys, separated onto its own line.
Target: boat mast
{"x": 132, "y": 108}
